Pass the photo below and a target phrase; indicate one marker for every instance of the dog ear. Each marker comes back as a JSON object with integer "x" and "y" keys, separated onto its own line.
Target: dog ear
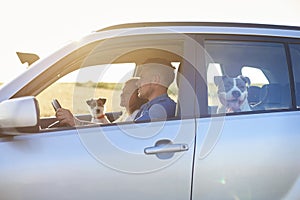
{"x": 245, "y": 78}
{"x": 89, "y": 102}
{"x": 219, "y": 79}
{"x": 103, "y": 100}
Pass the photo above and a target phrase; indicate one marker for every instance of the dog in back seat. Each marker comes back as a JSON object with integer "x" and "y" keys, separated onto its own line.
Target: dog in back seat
{"x": 232, "y": 93}
{"x": 97, "y": 109}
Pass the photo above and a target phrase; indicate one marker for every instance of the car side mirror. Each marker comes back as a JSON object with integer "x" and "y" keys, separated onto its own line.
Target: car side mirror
{"x": 28, "y": 58}
{"x": 19, "y": 115}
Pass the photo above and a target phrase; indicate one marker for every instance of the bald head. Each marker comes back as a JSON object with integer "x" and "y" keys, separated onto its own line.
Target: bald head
{"x": 160, "y": 68}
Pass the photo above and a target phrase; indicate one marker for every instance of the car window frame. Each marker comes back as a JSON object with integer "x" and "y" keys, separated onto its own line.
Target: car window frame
{"x": 294, "y": 74}
{"x": 244, "y": 38}
{"x": 75, "y": 59}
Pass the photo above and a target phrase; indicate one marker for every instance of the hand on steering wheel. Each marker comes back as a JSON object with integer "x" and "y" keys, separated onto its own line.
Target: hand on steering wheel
{"x": 56, "y": 105}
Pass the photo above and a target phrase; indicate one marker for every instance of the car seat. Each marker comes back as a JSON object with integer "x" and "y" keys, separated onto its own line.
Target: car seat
{"x": 253, "y": 95}
{"x": 274, "y": 96}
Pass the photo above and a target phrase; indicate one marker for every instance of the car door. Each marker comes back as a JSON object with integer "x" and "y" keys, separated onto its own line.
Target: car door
{"x": 149, "y": 160}
{"x": 248, "y": 154}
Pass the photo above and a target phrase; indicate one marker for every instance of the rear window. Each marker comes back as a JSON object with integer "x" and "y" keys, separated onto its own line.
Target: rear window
{"x": 264, "y": 64}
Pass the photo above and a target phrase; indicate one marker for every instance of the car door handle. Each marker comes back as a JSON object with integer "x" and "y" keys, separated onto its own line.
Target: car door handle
{"x": 167, "y": 148}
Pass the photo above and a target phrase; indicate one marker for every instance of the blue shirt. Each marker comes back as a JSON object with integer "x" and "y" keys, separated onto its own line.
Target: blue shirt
{"x": 162, "y": 107}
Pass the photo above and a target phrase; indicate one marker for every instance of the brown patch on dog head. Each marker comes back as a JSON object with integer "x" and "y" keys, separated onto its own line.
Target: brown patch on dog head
{"x": 96, "y": 102}
{"x": 101, "y": 101}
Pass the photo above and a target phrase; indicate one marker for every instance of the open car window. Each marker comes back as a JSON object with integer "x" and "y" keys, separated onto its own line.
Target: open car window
{"x": 100, "y": 70}
{"x": 74, "y": 89}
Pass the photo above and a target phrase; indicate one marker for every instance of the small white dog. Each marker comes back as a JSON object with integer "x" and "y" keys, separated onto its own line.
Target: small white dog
{"x": 233, "y": 93}
{"x": 97, "y": 109}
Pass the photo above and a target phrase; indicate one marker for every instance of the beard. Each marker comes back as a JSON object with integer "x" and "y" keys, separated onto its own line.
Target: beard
{"x": 145, "y": 91}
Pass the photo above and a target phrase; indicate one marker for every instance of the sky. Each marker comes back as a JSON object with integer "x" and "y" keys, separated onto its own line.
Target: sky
{"x": 42, "y": 27}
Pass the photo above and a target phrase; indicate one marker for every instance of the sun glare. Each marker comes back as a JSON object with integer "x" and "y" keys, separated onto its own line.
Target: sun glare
{"x": 110, "y": 73}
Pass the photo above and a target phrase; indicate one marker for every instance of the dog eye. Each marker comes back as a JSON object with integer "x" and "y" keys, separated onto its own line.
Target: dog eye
{"x": 228, "y": 86}
{"x": 242, "y": 88}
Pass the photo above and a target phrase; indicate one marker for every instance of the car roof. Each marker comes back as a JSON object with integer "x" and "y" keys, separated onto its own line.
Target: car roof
{"x": 212, "y": 24}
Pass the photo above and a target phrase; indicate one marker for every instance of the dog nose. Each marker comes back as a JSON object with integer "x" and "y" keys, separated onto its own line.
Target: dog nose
{"x": 236, "y": 94}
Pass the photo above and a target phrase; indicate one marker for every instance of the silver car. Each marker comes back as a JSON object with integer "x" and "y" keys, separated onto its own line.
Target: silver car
{"x": 204, "y": 152}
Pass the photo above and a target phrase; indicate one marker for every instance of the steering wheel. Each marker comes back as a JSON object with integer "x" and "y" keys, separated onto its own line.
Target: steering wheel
{"x": 55, "y": 105}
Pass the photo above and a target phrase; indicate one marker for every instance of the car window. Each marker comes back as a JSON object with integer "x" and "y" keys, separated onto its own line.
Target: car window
{"x": 264, "y": 66}
{"x": 74, "y": 89}
{"x": 256, "y": 75}
{"x": 295, "y": 54}
{"x": 100, "y": 70}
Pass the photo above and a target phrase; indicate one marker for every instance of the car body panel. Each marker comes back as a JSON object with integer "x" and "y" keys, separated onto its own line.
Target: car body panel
{"x": 98, "y": 162}
{"x": 198, "y": 154}
{"x": 254, "y": 160}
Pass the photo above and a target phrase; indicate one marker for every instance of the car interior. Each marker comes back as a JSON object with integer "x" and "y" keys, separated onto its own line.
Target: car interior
{"x": 268, "y": 58}
{"x": 98, "y": 56}
{"x": 230, "y": 56}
